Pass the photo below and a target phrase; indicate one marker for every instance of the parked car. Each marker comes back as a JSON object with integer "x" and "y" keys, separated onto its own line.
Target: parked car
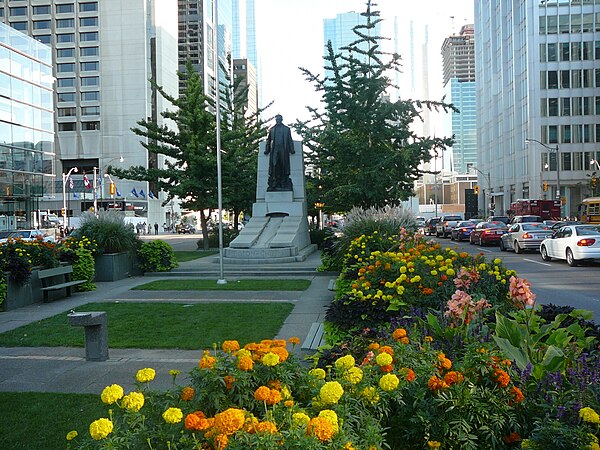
{"x": 463, "y": 229}
{"x": 504, "y": 219}
{"x": 487, "y": 233}
{"x": 28, "y": 235}
{"x": 573, "y": 243}
{"x": 521, "y": 219}
{"x": 524, "y": 236}
{"x": 429, "y": 228}
{"x": 185, "y": 229}
{"x": 445, "y": 225}
{"x": 562, "y": 223}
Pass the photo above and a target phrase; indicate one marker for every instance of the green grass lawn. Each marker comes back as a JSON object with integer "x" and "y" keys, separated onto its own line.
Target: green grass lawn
{"x": 41, "y": 421}
{"x": 189, "y": 255}
{"x": 160, "y": 325}
{"x": 235, "y": 285}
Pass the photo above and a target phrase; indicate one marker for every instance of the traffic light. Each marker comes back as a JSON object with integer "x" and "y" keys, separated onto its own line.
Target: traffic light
{"x": 62, "y": 212}
{"x": 476, "y": 190}
{"x": 113, "y": 189}
{"x": 594, "y": 181}
{"x": 545, "y": 186}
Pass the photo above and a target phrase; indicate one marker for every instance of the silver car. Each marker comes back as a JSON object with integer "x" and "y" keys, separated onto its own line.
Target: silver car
{"x": 524, "y": 236}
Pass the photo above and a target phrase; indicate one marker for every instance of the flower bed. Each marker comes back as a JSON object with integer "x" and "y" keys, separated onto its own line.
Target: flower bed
{"x": 443, "y": 350}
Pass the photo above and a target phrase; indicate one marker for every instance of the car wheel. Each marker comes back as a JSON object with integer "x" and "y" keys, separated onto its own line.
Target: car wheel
{"x": 544, "y": 254}
{"x": 502, "y": 247}
{"x": 517, "y": 247}
{"x": 459, "y": 237}
{"x": 571, "y": 261}
{"x": 451, "y": 237}
{"x": 481, "y": 243}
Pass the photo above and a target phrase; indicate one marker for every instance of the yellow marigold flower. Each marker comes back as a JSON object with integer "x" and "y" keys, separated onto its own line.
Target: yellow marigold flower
{"x": 174, "y": 372}
{"x": 526, "y": 443}
{"x": 332, "y": 417}
{"x": 317, "y": 373}
{"x": 173, "y": 415}
{"x": 243, "y": 353}
{"x": 354, "y": 375}
{"x": 434, "y": 444}
{"x": 230, "y": 346}
{"x": 370, "y": 395}
{"x": 331, "y": 392}
{"x": 245, "y": 363}
{"x": 229, "y": 421}
{"x": 389, "y": 382}
{"x": 72, "y": 435}
{"x": 345, "y": 362}
{"x": 288, "y": 403}
{"x": 266, "y": 427}
{"x": 270, "y": 359}
{"x": 587, "y": 414}
{"x": 133, "y": 401}
{"x": 450, "y": 272}
{"x": 145, "y": 375}
{"x": 100, "y": 428}
{"x": 428, "y": 339}
{"x": 321, "y": 428}
{"x": 111, "y": 394}
{"x": 383, "y": 359}
{"x": 300, "y": 419}
{"x": 187, "y": 393}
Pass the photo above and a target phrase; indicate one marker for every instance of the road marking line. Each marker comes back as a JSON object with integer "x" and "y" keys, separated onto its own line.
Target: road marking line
{"x": 537, "y": 262}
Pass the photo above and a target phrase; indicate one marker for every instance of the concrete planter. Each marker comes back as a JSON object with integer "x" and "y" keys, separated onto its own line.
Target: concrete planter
{"x": 116, "y": 266}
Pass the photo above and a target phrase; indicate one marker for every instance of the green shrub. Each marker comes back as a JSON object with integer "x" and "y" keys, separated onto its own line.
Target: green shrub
{"x": 84, "y": 269}
{"x": 109, "y": 231}
{"x": 213, "y": 238}
{"x": 157, "y": 256}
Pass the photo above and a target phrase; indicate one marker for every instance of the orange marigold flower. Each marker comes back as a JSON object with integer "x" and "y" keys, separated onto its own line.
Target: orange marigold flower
{"x": 386, "y": 349}
{"x": 443, "y": 278}
{"x": 275, "y": 384}
{"x": 228, "y": 381}
{"x": 207, "y": 362}
{"x": 428, "y": 338}
{"x": 187, "y": 393}
{"x": 294, "y": 340}
{"x": 427, "y": 291}
{"x": 245, "y": 363}
{"x": 266, "y": 427}
{"x": 501, "y": 377}
{"x": 404, "y": 340}
{"x": 281, "y": 352}
{"x": 229, "y": 421}
{"x": 221, "y": 441}
{"x": 453, "y": 377}
{"x": 250, "y": 424}
{"x": 288, "y": 403}
{"x": 192, "y": 421}
{"x": 409, "y": 374}
{"x": 445, "y": 364}
{"x": 399, "y": 333}
{"x": 517, "y": 394}
{"x": 373, "y": 346}
{"x": 278, "y": 343}
{"x": 511, "y": 438}
{"x": 387, "y": 368}
{"x": 230, "y": 346}
{"x": 506, "y": 362}
{"x": 434, "y": 383}
{"x": 274, "y": 397}
{"x": 321, "y": 428}
{"x": 262, "y": 394}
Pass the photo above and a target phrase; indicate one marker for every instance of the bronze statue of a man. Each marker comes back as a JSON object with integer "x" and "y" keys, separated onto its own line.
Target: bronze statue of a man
{"x": 279, "y": 146}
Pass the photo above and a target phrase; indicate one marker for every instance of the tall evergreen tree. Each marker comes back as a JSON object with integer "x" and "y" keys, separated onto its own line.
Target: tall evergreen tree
{"x": 189, "y": 173}
{"x": 361, "y": 144}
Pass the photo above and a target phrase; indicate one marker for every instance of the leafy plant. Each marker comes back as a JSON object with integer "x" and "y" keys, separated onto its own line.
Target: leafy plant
{"x": 84, "y": 269}
{"x": 109, "y": 231}
{"x": 157, "y": 256}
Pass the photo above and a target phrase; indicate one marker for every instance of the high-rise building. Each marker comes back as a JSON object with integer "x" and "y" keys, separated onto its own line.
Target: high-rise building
{"x": 537, "y": 99}
{"x": 104, "y": 53}
{"x": 27, "y": 165}
{"x": 458, "y": 55}
{"x": 244, "y": 48}
{"x": 244, "y": 70}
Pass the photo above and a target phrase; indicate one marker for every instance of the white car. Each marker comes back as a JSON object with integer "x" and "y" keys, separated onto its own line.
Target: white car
{"x": 574, "y": 243}
{"x": 27, "y": 235}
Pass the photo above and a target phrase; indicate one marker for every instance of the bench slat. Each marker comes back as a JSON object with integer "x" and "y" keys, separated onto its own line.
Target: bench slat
{"x": 55, "y": 287}
{"x": 47, "y": 273}
{"x": 315, "y": 336}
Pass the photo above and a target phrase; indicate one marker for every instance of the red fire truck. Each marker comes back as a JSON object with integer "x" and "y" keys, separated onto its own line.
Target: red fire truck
{"x": 546, "y": 209}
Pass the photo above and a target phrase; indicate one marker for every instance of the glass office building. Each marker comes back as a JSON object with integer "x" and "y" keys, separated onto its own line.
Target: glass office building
{"x": 26, "y": 127}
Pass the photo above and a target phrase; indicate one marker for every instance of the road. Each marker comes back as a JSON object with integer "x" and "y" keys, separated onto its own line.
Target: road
{"x": 553, "y": 282}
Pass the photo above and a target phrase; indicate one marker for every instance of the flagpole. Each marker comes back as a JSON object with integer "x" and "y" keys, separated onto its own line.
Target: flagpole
{"x": 221, "y": 279}
{"x": 95, "y": 192}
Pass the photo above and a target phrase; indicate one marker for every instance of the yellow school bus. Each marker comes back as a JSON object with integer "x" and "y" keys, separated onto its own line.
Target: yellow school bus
{"x": 589, "y": 210}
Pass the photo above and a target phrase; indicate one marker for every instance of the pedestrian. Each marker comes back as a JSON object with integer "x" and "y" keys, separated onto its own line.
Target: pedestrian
{"x": 155, "y": 227}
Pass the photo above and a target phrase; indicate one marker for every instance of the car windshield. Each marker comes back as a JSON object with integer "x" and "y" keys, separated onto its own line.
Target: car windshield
{"x": 466, "y": 223}
{"x": 5, "y": 234}
{"x": 19, "y": 234}
{"x": 533, "y": 226}
{"x": 588, "y": 231}
{"x": 496, "y": 225}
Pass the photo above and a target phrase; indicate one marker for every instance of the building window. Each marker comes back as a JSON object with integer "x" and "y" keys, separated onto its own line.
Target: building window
{"x": 587, "y": 50}
{"x": 65, "y": 82}
{"x": 577, "y": 160}
{"x": 587, "y": 133}
{"x": 552, "y": 25}
{"x": 64, "y": 9}
{"x": 67, "y": 112}
{"x": 598, "y": 132}
{"x": 21, "y": 26}
{"x": 90, "y": 81}
{"x": 91, "y": 6}
{"x": 543, "y": 79}
{"x": 65, "y": 67}
{"x": 553, "y": 107}
{"x": 587, "y": 75}
{"x": 18, "y": 11}
{"x": 90, "y": 96}
{"x": 62, "y": 38}
{"x": 88, "y": 22}
{"x": 597, "y": 78}
{"x": 565, "y": 79}
{"x": 588, "y": 23}
{"x": 566, "y": 134}
{"x": 65, "y": 23}
{"x": 576, "y": 134}
{"x": 565, "y": 106}
{"x": 563, "y": 23}
{"x": 41, "y": 24}
{"x": 576, "y": 78}
{"x": 552, "y": 134}
{"x": 577, "y": 105}
{"x": 597, "y": 49}
{"x": 88, "y": 126}
{"x": 598, "y": 106}
{"x": 552, "y": 79}
{"x": 66, "y": 96}
{"x": 564, "y": 51}
{"x": 89, "y": 51}
{"x": 68, "y": 126}
{"x": 65, "y": 53}
{"x": 41, "y": 9}
{"x": 87, "y": 37}
{"x": 90, "y": 111}
{"x": 551, "y": 52}
{"x": 91, "y": 66}
{"x": 44, "y": 38}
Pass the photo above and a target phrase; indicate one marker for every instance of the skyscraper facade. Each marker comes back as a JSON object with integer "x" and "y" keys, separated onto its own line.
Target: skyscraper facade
{"x": 104, "y": 53}
{"x": 458, "y": 58}
{"x": 538, "y": 108}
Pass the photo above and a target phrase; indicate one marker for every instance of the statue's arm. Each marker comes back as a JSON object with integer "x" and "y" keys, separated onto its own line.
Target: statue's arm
{"x": 292, "y": 150}
{"x": 268, "y": 144}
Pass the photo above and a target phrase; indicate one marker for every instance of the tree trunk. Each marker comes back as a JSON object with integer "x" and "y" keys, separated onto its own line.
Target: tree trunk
{"x": 204, "y": 226}
{"x": 236, "y": 219}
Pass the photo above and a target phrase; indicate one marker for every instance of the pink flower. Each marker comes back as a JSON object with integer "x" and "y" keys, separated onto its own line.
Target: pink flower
{"x": 462, "y": 306}
{"x": 465, "y": 277}
{"x": 520, "y": 293}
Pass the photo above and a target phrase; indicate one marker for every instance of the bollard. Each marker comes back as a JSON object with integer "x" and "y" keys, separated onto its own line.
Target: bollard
{"x": 96, "y": 333}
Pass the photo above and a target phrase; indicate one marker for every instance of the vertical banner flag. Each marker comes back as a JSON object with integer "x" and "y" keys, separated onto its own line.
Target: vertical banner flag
{"x": 86, "y": 182}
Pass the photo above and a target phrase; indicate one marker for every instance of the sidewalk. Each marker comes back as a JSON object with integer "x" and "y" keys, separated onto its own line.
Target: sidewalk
{"x": 51, "y": 369}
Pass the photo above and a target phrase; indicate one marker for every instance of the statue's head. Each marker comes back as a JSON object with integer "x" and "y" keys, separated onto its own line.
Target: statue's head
{"x": 278, "y": 118}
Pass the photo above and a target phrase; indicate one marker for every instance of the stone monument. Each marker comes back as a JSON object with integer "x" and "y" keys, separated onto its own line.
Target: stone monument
{"x": 277, "y": 232}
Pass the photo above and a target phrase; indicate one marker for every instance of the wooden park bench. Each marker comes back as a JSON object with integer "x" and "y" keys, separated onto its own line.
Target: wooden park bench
{"x": 315, "y": 337}
{"x": 56, "y": 279}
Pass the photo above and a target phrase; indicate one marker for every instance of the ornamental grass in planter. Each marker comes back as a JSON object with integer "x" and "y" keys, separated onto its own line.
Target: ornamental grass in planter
{"x": 109, "y": 231}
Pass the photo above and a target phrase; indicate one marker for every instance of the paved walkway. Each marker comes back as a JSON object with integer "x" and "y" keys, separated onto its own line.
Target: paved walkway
{"x": 51, "y": 369}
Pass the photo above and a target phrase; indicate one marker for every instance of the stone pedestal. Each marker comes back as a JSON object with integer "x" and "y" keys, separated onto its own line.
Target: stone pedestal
{"x": 96, "y": 333}
{"x": 278, "y": 229}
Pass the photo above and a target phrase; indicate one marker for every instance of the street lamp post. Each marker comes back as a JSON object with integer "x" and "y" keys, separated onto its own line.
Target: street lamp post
{"x": 557, "y": 151}
{"x": 65, "y": 177}
{"x": 593, "y": 161}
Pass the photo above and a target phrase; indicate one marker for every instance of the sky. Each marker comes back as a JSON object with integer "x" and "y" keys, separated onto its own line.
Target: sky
{"x": 290, "y": 35}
